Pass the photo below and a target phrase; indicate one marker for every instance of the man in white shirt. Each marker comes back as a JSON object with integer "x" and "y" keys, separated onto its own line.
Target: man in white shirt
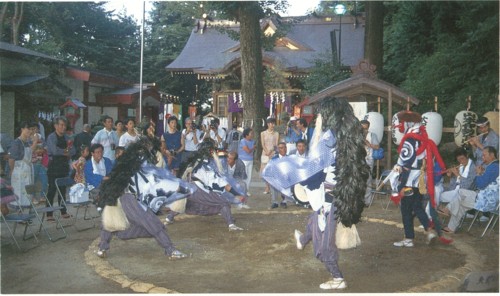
{"x": 371, "y": 142}
{"x": 274, "y": 192}
{"x": 301, "y": 146}
{"x": 107, "y": 138}
{"x": 217, "y": 133}
{"x": 191, "y": 139}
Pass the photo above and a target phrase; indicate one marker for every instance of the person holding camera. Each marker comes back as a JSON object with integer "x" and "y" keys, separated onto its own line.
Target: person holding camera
{"x": 107, "y": 137}
{"x": 216, "y": 133}
{"x": 191, "y": 137}
{"x": 172, "y": 145}
{"x": 292, "y": 135}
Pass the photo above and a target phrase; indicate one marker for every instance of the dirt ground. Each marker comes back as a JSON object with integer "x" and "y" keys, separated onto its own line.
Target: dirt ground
{"x": 261, "y": 259}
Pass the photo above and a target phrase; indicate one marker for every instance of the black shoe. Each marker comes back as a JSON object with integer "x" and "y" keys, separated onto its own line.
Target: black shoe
{"x": 274, "y": 206}
{"x": 283, "y": 205}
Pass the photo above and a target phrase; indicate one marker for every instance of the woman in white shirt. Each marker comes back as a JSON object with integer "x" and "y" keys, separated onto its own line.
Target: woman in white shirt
{"x": 130, "y": 136}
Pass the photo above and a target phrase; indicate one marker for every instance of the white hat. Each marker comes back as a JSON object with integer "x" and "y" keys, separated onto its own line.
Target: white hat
{"x": 293, "y": 118}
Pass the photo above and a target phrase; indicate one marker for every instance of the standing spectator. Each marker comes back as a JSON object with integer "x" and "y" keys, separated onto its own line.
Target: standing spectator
{"x": 79, "y": 165}
{"x": 83, "y": 138}
{"x": 301, "y": 148}
{"x": 245, "y": 152}
{"x": 97, "y": 168}
{"x": 306, "y": 132}
{"x": 233, "y": 139}
{"x": 130, "y": 136}
{"x": 216, "y": 133}
{"x": 274, "y": 193}
{"x": 172, "y": 145}
{"x": 191, "y": 137}
{"x": 487, "y": 173}
{"x": 108, "y": 138}
{"x": 21, "y": 169}
{"x": 269, "y": 139}
{"x": 5, "y": 144}
{"x": 40, "y": 161}
{"x": 490, "y": 138}
{"x": 371, "y": 142}
{"x": 41, "y": 128}
{"x": 292, "y": 135}
{"x": 120, "y": 130}
{"x": 59, "y": 154}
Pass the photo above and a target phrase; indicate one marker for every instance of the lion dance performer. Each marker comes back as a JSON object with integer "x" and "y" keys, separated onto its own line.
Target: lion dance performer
{"x": 334, "y": 177}
{"x": 211, "y": 196}
{"x": 142, "y": 189}
{"x": 415, "y": 177}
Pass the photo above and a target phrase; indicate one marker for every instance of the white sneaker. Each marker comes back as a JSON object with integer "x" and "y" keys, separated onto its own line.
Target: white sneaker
{"x": 168, "y": 221}
{"x": 249, "y": 194}
{"x": 336, "y": 283}
{"x": 408, "y": 243}
{"x": 233, "y": 227}
{"x": 430, "y": 236}
{"x": 297, "y": 234}
{"x": 243, "y": 206}
{"x": 484, "y": 219}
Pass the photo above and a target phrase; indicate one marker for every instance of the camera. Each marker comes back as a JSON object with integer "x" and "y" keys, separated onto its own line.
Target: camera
{"x": 213, "y": 124}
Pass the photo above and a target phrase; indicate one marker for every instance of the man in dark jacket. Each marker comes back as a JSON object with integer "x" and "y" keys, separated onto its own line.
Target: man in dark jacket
{"x": 83, "y": 138}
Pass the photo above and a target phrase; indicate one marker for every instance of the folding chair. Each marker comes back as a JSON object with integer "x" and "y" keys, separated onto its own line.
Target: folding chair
{"x": 17, "y": 218}
{"x": 383, "y": 191}
{"x": 68, "y": 182}
{"x": 41, "y": 211}
{"x": 493, "y": 221}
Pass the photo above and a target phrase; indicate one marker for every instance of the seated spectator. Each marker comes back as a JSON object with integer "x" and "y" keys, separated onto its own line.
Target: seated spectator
{"x": 274, "y": 192}
{"x": 97, "y": 167}
{"x": 7, "y": 195}
{"x": 462, "y": 177}
{"x": 487, "y": 173}
{"x": 234, "y": 170}
{"x": 301, "y": 148}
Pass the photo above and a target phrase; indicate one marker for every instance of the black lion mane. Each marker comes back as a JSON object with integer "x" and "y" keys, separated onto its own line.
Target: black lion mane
{"x": 351, "y": 170}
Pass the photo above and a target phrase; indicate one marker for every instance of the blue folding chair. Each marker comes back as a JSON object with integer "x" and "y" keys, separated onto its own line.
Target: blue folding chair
{"x": 18, "y": 217}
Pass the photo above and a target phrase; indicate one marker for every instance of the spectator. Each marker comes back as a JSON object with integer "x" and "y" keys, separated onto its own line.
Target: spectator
{"x": 97, "y": 167}
{"x": 118, "y": 152}
{"x": 269, "y": 139}
{"x": 274, "y": 193}
{"x": 246, "y": 148}
{"x": 40, "y": 161}
{"x": 130, "y": 136}
{"x": 108, "y": 138}
{"x": 233, "y": 139}
{"x": 292, "y": 135}
{"x": 371, "y": 142}
{"x": 119, "y": 129}
{"x": 79, "y": 164}
{"x": 83, "y": 138}
{"x": 301, "y": 148}
{"x": 192, "y": 136}
{"x": 487, "y": 137}
{"x": 5, "y": 143}
{"x": 59, "y": 154}
{"x": 306, "y": 132}
{"x": 487, "y": 173}
{"x": 462, "y": 177}
{"x": 234, "y": 169}
{"x": 148, "y": 130}
{"x": 20, "y": 154}
{"x": 172, "y": 145}
{"x": 216, "y": 133}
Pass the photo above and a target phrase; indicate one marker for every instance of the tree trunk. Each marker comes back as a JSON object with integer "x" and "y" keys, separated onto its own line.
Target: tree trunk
{"x": 374, "y": 33}
{"x": 251, "y": 71}
{"x": 16, "y": 21}
{"x": 3, "y": 14}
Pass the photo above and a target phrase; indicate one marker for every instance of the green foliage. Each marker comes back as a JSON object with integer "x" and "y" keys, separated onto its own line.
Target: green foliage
{"x": 444, "y": 49}
{"x": 325, "y": 72}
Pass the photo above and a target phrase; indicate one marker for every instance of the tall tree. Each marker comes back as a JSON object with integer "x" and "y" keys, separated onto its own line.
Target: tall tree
{"x": 374, "y": 32}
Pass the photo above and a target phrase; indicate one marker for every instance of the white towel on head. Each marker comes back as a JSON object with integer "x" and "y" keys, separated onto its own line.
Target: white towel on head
{"x": 464, "y": 171}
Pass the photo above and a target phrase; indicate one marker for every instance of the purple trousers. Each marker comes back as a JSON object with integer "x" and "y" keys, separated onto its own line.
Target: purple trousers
{"x": 207, "y": 204}
{"x": 325, "y": 248}
{"x": 142, "y": 224}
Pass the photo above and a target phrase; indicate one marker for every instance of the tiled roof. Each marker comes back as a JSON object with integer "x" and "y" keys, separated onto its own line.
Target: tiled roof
{"x": 14, "y": 49}
{"x": 210, "y": 52}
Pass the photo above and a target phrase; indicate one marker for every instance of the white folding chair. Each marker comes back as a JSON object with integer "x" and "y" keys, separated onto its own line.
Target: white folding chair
{"x": 40, "y": 212}
{"x": 67, "y": 182}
